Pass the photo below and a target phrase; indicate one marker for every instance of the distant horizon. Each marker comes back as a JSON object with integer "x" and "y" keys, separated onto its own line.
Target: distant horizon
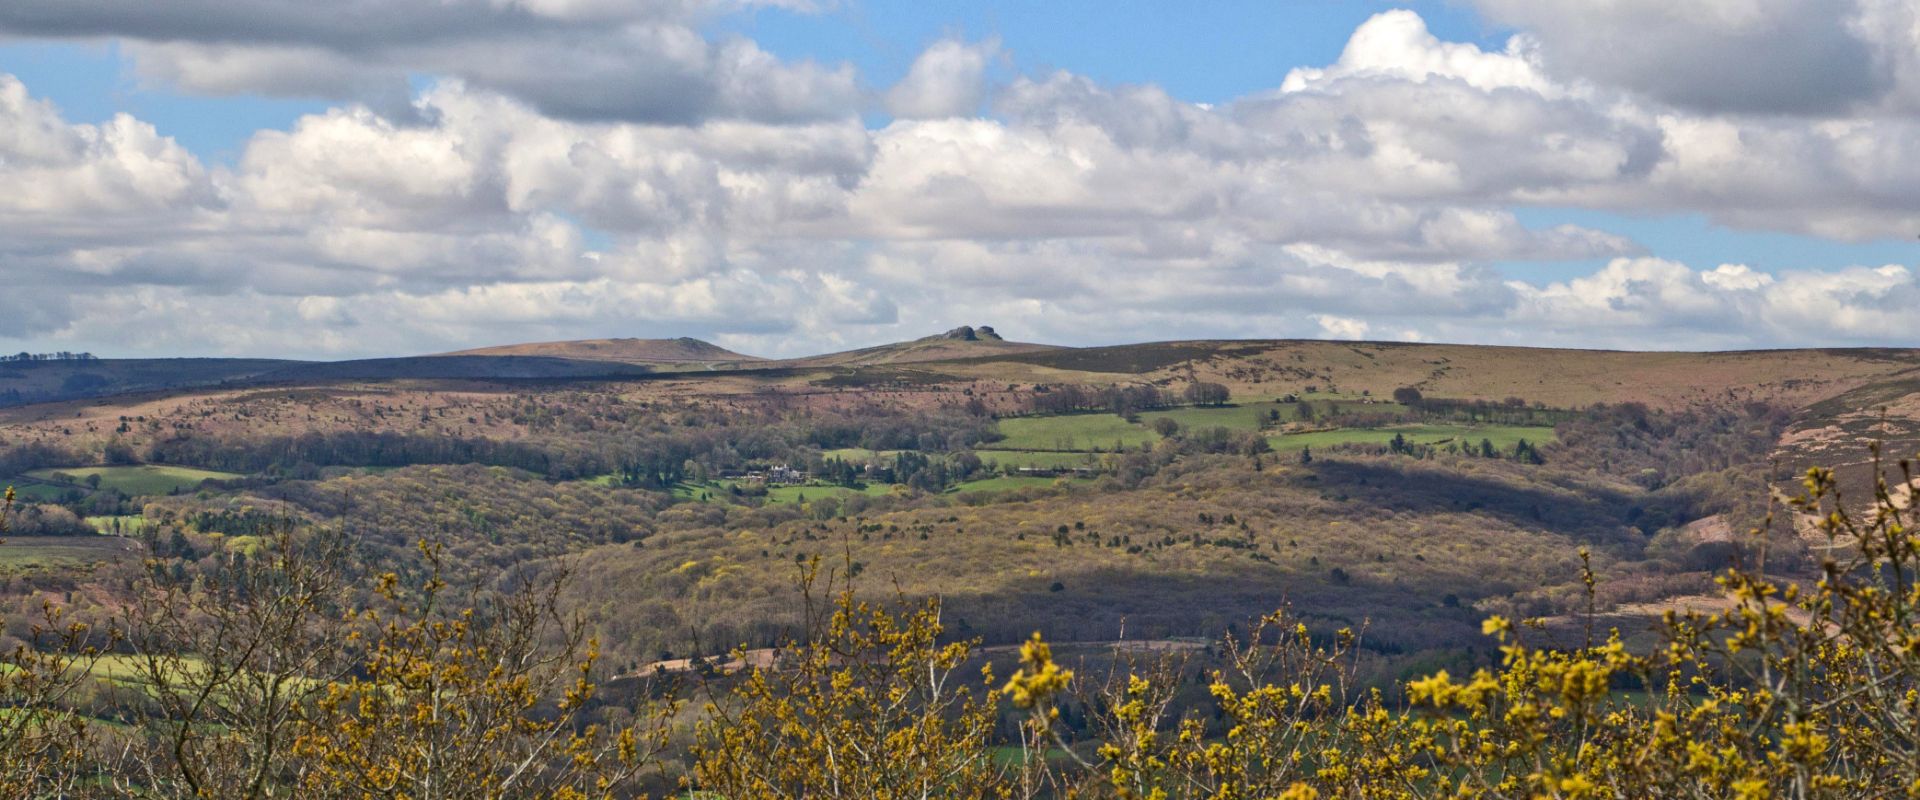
{"x": 248, "y": 177}
{"x": 1145, "y": 343}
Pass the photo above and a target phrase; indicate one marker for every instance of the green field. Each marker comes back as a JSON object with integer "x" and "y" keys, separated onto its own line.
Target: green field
{"x": 1073, "y": 432}
{"x": 1502, "y": 436}
{"x": 1039, "y": 459}
{"x": 145, "y": 479}
{"x": 58, "y": 552}
{"x": 35, "y": 491}
{"x": 123, "y": 525}
{"x": 1239, "y": 418}
{"x": 856, "y": 455}
{"x": 720, "y": 492}
{"x": 795, "y": 494}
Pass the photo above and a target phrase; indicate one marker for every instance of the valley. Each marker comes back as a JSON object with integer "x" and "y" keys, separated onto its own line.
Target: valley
{"x": 1124, "y": 502}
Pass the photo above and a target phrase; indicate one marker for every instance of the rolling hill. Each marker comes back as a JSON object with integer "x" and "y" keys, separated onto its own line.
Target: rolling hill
{"x": 453, "y": 367}
{"x": 684, "y": 350}
{"x": 964, "y": 342}
{"x": 28, "y": 382}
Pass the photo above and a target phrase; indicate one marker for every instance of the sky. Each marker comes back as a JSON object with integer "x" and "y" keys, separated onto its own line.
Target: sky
{"x": 784, "y": 177}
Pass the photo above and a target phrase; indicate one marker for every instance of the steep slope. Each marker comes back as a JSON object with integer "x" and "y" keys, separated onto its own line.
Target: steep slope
{"x": 683, "y": 350}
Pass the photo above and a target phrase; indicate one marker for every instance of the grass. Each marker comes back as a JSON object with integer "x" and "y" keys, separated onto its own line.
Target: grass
{"x": 796, "y": 494}
{"x": 857, "y": 455}
{"x": 121, "y": 525}
{"x": 1240, "y": 418}
{"x": 721, "y": 492}
{"x": 144, "y": 479}
{"x": 1502, "y": 436}
{"x": 35, "y": 491}
{"x": 1038, "y": 459}
{"x": 37, "y": 553}
{"x": 1071, "y": 433}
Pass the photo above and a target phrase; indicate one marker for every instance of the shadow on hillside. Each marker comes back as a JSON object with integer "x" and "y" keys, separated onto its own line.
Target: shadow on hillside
{"x": 1588, "y": 513}
{"x": 1091, "y": 605}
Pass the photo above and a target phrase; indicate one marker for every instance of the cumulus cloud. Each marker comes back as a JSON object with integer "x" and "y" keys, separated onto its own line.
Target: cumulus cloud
{"x": 1765, "y": 56}
{"x": 639, "y": 60}
{"x": 948, "y": 80}
{"x": 1729, "y": 305}
{"x": 121, "y": 166}
{"x": 1333, "y": 327}
{"x": 1396, "y": 46}
{"x": 716, "y": 191}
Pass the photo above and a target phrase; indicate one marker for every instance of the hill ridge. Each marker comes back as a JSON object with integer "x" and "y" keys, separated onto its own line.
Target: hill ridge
{"x": 678, "y": 350}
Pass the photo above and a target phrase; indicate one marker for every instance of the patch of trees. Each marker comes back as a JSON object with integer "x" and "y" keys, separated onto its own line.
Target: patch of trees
{"x": 931, "y": 432}
{"x": 239, "y": 521}
{"x": 301, "y": 455}
{"x": 35, "y": 358}
{"x": 659, "y": 453}
{"x": 1511, "y": 411}
{"x": 1202, "y": 393}
{"x": 926, "y": 474}
{"x": 1654, "y": 448}
{"x": 46, "y": 520}
{"x": 487, "y": 519}
{"x": 1221, "y": 440}
{"x": 28, "y": 457}
{"x": 1123, "y": 400}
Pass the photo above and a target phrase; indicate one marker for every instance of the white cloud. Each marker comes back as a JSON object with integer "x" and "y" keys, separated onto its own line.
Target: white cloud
{"x": 1767, "y": 56}
{"x": 120, "y": 166}
{"x": 639, "y": 60}
{"x": 1396, "y": 46}
{"x": 1333, "y": 327}
{"x": 947, "y": 80}
{"x": 716, "y": 191}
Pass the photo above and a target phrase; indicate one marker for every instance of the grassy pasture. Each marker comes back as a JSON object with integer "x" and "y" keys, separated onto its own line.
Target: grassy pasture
{"x": 144, "y": 479}
{"x": 34, "y": 553}
{"x": 122, "y": 525}
{"x": 857, "y": 455}
{"x": 1071, "y": 433}
{"x": 1040, "y": 459}
{"x": 29, "y": 489}
{"x": 1240, "y": 418}
{"x": 721, "y": 492}
{"x": 1502, "y": 436}
{"x": 796, "y": 494}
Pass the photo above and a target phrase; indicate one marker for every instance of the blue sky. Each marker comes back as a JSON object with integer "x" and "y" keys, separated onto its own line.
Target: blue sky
{"x": 360, "y": 181}
{"x": 1204, "y": 52}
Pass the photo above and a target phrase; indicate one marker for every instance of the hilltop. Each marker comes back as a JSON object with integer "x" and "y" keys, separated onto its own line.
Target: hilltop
{"x": 960, "y": 343}
{"x": 683, "y": 350}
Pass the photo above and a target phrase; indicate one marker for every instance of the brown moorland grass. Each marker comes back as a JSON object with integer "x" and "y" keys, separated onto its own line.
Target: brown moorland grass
{"x": 1561, "y": 378}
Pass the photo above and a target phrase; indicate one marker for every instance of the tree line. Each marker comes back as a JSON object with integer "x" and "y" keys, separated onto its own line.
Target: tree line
{"x": 1124, "y": 400}
{"x": 25, "y": 358}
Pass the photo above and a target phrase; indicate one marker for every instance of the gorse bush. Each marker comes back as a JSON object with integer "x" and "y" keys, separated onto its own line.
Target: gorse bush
{"x": 1803, "y": 688}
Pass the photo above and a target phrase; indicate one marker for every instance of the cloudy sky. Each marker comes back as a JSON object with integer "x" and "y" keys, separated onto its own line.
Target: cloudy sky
{"x": 379, "y": 177}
